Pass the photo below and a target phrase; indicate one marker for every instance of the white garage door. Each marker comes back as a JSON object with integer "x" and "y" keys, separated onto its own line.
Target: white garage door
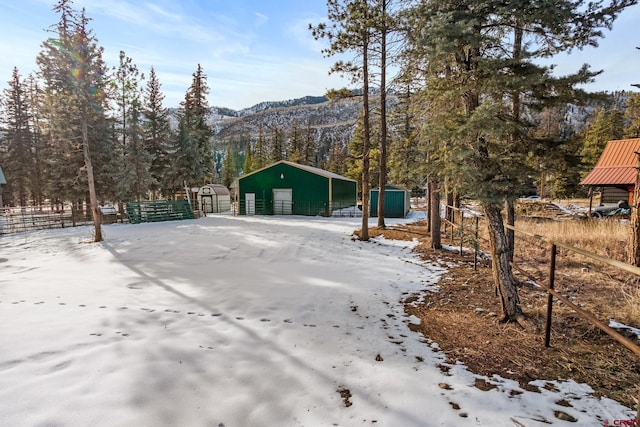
{"x": 282, "y": 201}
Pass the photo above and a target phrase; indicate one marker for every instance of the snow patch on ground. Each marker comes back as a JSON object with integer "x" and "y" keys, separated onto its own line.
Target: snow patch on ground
{"x": 238, "y": 321}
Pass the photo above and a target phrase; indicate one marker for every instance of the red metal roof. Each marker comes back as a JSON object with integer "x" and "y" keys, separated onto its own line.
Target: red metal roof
{"x": 617, "y": 164}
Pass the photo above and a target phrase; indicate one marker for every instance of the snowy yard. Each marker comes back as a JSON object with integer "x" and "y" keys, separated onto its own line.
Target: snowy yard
{"x": 238, "y": 321}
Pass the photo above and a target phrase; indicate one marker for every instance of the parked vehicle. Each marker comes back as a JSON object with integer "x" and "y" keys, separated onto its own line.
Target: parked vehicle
{"x": 621, "y": 208}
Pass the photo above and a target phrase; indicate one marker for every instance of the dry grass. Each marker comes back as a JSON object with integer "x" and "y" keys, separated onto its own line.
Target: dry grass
{"x": 603, "y": 237}
{"x": 603, "y": 290}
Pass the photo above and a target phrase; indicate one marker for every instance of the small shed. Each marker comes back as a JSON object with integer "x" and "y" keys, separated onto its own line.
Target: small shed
{"x": 288, "y": 188}
{"x": 214, "y": 198}
{"x": 616, "y": 171}
{"x": 397, "y": 201}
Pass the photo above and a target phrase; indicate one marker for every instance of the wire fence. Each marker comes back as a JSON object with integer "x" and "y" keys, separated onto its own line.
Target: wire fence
{"x": 31, "y": 218}
{"x": 462, "y": 226}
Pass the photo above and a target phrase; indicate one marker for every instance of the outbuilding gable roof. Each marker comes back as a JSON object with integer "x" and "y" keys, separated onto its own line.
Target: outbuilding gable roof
{"x": 391, "y": 187}
{"x": 617, "y": 164}
{"x": 310, "y": 169}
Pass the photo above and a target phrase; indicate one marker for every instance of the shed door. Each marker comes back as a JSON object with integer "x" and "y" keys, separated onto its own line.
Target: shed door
{"x": 282, "y": 201}
{"x": 250, "y": 203}
{"x": 207, "y": 204}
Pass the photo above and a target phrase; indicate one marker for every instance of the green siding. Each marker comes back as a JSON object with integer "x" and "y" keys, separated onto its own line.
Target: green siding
{"x": 343, "y": 193}
{"x": 310, "y": 191}
{"x": 396, "y": 202}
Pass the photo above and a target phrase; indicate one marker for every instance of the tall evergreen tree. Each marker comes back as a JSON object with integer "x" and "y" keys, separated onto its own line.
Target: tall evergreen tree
{"x": 229, "y": 171}
{"x": 74, "y": 77}
{"x": 157, "y": 134}
{"x": 351, "y": 31}
{"x": 606, "y": 126}
{"x": 132, "y": 159}
{"x": 249, "y": 161}
{"x": 308, "y": 146}
{"x": 477, "y": 55}
{"x": 277, "y": 145}
{"x": 294, "y": 151}
{"x": 194, "y": 163}
{"x": 39, "y": 153}
{"x": 261, "y": 155}
{"x": 632, "y": 116}
{"x": 17, "y": 141}
{"x": 407, "y": 153}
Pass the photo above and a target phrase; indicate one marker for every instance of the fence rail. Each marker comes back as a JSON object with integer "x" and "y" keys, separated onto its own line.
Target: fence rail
{"x": 550, "y": 287}
{"x": 31, "y": 218}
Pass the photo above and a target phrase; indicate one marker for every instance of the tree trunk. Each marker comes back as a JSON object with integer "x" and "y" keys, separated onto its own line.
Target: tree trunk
{"x": 511, "y": 220}
{"x": 428, "y": 201}
{"x": 97, "y": 219}
{"x": 434, "y": 215}
{"x": 506, "y": 284}
{"x": 633, "y": 249}
{"x": 383, "y": 117}
{"x": 366, "y": 143}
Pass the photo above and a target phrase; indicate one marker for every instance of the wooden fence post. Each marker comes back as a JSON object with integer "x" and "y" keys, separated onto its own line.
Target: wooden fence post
{"x": 476, "y": 245}
{"x": 461, "y": 231}
{"x": 552, "y": 279}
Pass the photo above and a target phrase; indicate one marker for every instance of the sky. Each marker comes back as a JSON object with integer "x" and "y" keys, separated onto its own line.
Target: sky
{"x": 251, "y": 50}
{"x": 241, "y": 321}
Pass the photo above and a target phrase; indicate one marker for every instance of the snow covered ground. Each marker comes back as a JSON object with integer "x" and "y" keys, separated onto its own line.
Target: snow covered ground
{"x": 238, "y": 321}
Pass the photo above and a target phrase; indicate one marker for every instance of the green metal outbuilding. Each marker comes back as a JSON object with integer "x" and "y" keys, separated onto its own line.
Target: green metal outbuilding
{"x": 288, "y": 188}
{"x": 397, "y": 201}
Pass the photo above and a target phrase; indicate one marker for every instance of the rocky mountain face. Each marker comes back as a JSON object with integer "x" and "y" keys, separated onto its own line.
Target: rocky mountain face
{"x": 326, "y": 119}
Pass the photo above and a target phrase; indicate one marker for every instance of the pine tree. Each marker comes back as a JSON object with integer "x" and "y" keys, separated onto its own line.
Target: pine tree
{"x": 606, "y": 126}
{"x": 229, "y": 172}
{"x": 260, "y": 152}
{"x": 308, "y": 147}
{"x": 74, "y": 77}
{"x": 17, "y": 140}
{"x": 277, "y": 145}
{"x": 193, "y": 161}
{"x": 294, "y": 151}
{"x": 407, "y": 153}
{"x": 632, "y": 116}
{"x": 351, "y": 31}
{"x": 249, "y": 161}
{"x": 478, "y": 57}
{"x": 157, "y": 135}
{"x": 39, "y": 153}
{"x": 133, "y": 161}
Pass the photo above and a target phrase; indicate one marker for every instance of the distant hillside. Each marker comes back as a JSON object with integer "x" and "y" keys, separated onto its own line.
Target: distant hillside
{"x": 325, "y": 115}
{"x": 268, "y": 105}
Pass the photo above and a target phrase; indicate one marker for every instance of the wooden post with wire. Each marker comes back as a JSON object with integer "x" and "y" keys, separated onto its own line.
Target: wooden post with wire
{"x": 552, "y": 280}
{"x": 461, "y": 231}
{"x": 476, "y": 245}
